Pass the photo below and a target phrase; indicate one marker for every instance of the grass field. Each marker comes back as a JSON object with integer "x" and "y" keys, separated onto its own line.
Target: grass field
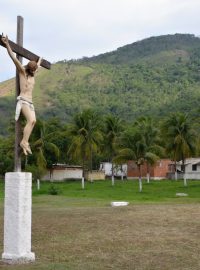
{"x": 78, "y": 229}
{"x": 102, "y": 192}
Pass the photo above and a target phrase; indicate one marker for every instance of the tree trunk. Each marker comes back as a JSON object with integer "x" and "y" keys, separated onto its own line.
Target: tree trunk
{"x": 122, "y": 173}
{"x": 38, "y": 184}
{"x": 113, "y": 178}
{"x": 148, "y": 173}
{"x": 83, "y": 177}
{"x": 176, "y": 176}
{"x": 184, "y": 176}
{"x": 184, "y": 180}
{"x": 140, "y": 178}
{"x": 83, "y": 183}
{"x": 148, "y": 178}
{"x": 91, "y": 179}
{"x": 140, "y": 184}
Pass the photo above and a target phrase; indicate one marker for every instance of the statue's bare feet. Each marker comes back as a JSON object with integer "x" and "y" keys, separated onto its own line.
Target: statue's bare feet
{"x": 26, "y": 148}
{"x": 23, "y": 148}
{"x": 29, "y": 149}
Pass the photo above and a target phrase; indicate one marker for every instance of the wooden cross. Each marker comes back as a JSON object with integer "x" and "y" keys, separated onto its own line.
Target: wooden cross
{"x": 20, "y": 53}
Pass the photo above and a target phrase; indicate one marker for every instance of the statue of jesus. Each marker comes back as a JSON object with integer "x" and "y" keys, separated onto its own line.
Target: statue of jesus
{"x": 24, "y": 100}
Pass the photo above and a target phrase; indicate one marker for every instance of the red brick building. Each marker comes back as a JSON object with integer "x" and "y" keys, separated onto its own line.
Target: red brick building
{"x": 158, "y": 171}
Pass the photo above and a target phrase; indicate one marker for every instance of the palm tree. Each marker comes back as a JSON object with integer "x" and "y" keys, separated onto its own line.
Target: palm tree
{"x": 44, "y": 151}
{"x": 150, "y": 133}
{"x": 113, "y": 128}
{"x": 86, "y": 137}
{"x": 180, "y": 138}
{"x": 133, "y": 147}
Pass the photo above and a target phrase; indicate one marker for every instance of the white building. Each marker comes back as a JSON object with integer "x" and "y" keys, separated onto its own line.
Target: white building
{"x": 192, "y": 168}
{"x": 61, "y": 172}
{"x": 119, "y": 170}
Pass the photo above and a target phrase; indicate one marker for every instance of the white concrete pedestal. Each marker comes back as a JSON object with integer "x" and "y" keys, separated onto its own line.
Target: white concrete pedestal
{"x": 17, "y": 218}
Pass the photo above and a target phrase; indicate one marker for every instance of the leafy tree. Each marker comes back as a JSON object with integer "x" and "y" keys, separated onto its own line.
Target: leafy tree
{"x": 150, "y": 133}
{"x": 45, "y": 153}
{"x": 59, "y": 135}
{"x": 133, "y": 147}
{"x": 180, "y": 138}
{"x": 86, "y": 137}
{"x": 113, "y": 128}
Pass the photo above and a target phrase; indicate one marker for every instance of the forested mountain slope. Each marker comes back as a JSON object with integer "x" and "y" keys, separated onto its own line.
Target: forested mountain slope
{"x": 153, "y": 77}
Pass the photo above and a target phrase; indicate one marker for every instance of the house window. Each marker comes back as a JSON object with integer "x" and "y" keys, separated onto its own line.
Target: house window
{"x": 171, "y": 168}
{"x": 194, "y": 167}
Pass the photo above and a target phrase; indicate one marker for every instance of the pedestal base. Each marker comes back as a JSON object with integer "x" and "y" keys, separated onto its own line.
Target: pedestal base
{"x": 18, "y": 259}
{"x": 17, "y": 218}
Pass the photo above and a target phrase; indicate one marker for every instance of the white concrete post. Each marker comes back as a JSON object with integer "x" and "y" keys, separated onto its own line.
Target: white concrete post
{"x": 148, "y": 178}
{"x": 83, "y": 183}
{"x": 185, "y": 180}
{"x": 113, "y": 180}
{"x": 17, "y": 218}
{"x": 140, "y": 184}
{"x": 38, "y": 184}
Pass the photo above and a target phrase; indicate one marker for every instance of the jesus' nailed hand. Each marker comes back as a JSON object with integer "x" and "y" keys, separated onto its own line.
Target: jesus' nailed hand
{"x": 24, "y": 100}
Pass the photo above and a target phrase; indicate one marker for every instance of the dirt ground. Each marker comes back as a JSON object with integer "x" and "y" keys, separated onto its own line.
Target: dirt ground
{"x": 135, "y": 237}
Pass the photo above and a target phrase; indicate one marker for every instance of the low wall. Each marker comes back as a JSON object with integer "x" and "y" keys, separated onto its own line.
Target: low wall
{"x": 95, "y": 175}
{"x": 63, "y": 174}
{"x": 144, "y": 178}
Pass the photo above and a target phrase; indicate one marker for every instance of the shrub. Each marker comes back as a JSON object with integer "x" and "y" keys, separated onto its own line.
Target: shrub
{"x": 53, "y": 190}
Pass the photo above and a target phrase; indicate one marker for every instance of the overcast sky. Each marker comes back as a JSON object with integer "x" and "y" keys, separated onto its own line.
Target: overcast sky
{"x": 66, "y": 29}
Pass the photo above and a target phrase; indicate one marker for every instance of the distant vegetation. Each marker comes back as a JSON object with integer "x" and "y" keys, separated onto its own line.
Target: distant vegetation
{"x": 90, "y": 138}
{"x": 151, "y": 78}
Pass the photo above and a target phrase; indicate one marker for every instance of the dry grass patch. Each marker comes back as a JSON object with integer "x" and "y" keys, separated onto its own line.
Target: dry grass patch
{"x": 7, "y": 88}
{"x": 140, "y": 237}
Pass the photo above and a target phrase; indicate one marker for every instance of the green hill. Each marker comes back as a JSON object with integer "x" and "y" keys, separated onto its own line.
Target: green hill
{"x": 153, "y": 77}
{"x": 178, "y": 44}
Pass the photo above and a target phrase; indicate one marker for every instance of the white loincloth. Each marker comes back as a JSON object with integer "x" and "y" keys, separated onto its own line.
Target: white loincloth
{"x": 19, "y": 104}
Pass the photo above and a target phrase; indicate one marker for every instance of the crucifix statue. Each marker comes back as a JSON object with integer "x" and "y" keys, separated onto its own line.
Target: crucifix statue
{"x": 24, "y": 87}
{"x": 24, "y": 100}
{"x": 18, "y": 185}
